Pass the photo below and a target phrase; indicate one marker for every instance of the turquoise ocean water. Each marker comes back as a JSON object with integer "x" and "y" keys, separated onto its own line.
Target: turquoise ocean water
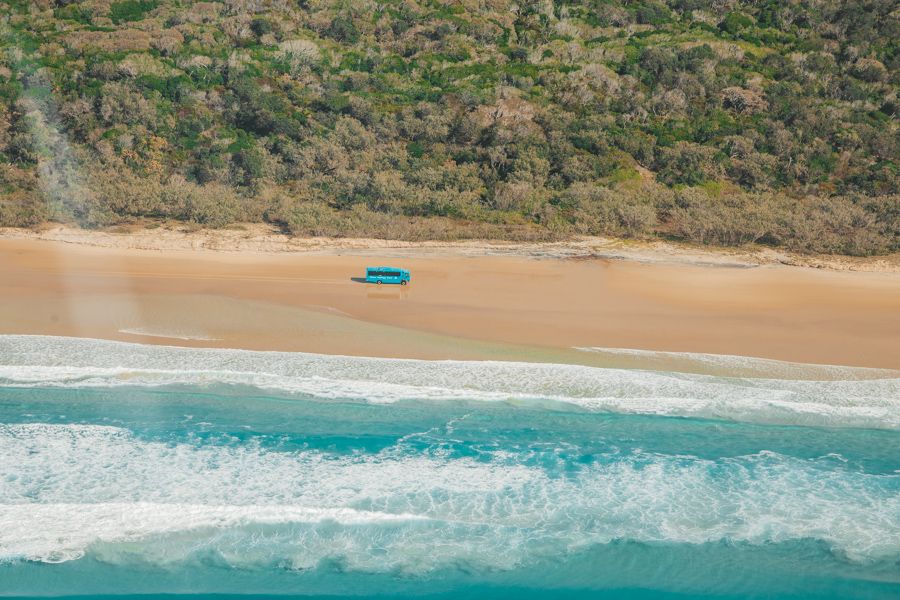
{"x": 129, "y": 470}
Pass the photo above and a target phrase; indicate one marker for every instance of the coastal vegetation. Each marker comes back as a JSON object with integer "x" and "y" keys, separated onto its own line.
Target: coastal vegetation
{"x": 712, "y": 121}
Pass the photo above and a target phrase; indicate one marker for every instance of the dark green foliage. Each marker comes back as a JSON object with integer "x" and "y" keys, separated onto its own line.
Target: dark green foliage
{"x": 260, "y": 26}
{"x": 687, "y": 164}
{"x": 73, "y": 12}
{"x": 264, "y": 112}
{"x": 652, "y": 13}
{"x": 765, "y": 121}
{"x": 735, "y": 22}
{"x": 172, "y": 88}
{"x": 415, "y": 149}
{"x": 335, "y": 102}
{"x": 249, "y": 165}
{"x": 130, "y": 10}
{"x": 343, "y": 29}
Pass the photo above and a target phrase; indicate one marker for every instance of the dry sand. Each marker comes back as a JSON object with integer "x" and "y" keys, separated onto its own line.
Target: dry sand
{"x": 488, "y": 301}
{"x": 257, "y": 237}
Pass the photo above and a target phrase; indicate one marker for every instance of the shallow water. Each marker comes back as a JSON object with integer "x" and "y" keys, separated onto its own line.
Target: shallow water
{"x": 138, "y": 470}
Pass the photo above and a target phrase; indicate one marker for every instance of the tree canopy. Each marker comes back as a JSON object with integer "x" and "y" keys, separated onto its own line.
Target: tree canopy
{"x": 722, "y": 122}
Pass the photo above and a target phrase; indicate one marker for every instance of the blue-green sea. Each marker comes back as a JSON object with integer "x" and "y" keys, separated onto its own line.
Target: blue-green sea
{"x": 161, "y": 472}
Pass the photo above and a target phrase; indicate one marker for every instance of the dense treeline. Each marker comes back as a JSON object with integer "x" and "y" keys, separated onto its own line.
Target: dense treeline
{"x": 715, "y": 121}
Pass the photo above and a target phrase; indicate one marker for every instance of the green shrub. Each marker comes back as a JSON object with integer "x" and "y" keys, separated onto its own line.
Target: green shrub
{"x": 652, "y": 13}
{"x": 130, "y": 10}
{"x": 596, "y": 210}
{"x": 22, "y": 209}
{"x": 260, "y": 26}
{"x": 343, "y": 29}
{"x": 735, "y": 22}
{"x": 73, "y": 12}
{"x": 426, "y": 118}
{"x": 415, "y": 149}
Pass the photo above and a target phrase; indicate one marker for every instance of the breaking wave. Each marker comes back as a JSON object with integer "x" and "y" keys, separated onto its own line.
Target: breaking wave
{"x": 862, "y": 398}
{"x": 75, "y": 490}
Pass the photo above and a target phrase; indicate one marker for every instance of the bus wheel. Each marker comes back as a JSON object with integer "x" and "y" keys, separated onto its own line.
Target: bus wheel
{"x": 403, "y": 283}
{"x": 377, "y": 283}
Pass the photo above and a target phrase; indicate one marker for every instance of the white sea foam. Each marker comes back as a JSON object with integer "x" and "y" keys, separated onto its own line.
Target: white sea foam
{"x": 75, "y": 527}
{"x": 746, "y": 366}
{"x": 72, "y": 362}
{"x": 67, "y": 490}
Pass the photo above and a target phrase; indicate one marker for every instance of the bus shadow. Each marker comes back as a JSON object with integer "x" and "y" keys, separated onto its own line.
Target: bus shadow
{"x": 383, "y": 292}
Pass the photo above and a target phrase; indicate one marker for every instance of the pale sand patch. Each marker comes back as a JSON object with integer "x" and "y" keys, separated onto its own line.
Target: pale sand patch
{"x": 459, "y": 305}
{"x": 262, "y": 238}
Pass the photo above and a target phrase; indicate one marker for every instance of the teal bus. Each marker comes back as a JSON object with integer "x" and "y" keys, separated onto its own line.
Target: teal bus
{"x": 379, "y": 275}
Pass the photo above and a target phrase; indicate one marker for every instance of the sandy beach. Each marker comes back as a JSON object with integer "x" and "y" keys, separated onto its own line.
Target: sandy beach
{"x": 465, "y": 302}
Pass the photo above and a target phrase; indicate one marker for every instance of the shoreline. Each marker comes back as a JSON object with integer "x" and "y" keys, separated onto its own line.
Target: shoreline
{"x": 466, "y": 302}
{"x": 266, "y": 239}
{"x": 622, "y": 359}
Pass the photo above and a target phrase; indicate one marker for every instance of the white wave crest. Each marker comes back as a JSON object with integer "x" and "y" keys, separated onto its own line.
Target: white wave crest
{"x": 75, "y": 527}
{"x": 68, "y": 490}
{"x": 72, "y": 362}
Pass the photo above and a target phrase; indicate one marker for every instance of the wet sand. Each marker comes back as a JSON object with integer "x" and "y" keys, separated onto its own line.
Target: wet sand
{"x": 461, "y": 307}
